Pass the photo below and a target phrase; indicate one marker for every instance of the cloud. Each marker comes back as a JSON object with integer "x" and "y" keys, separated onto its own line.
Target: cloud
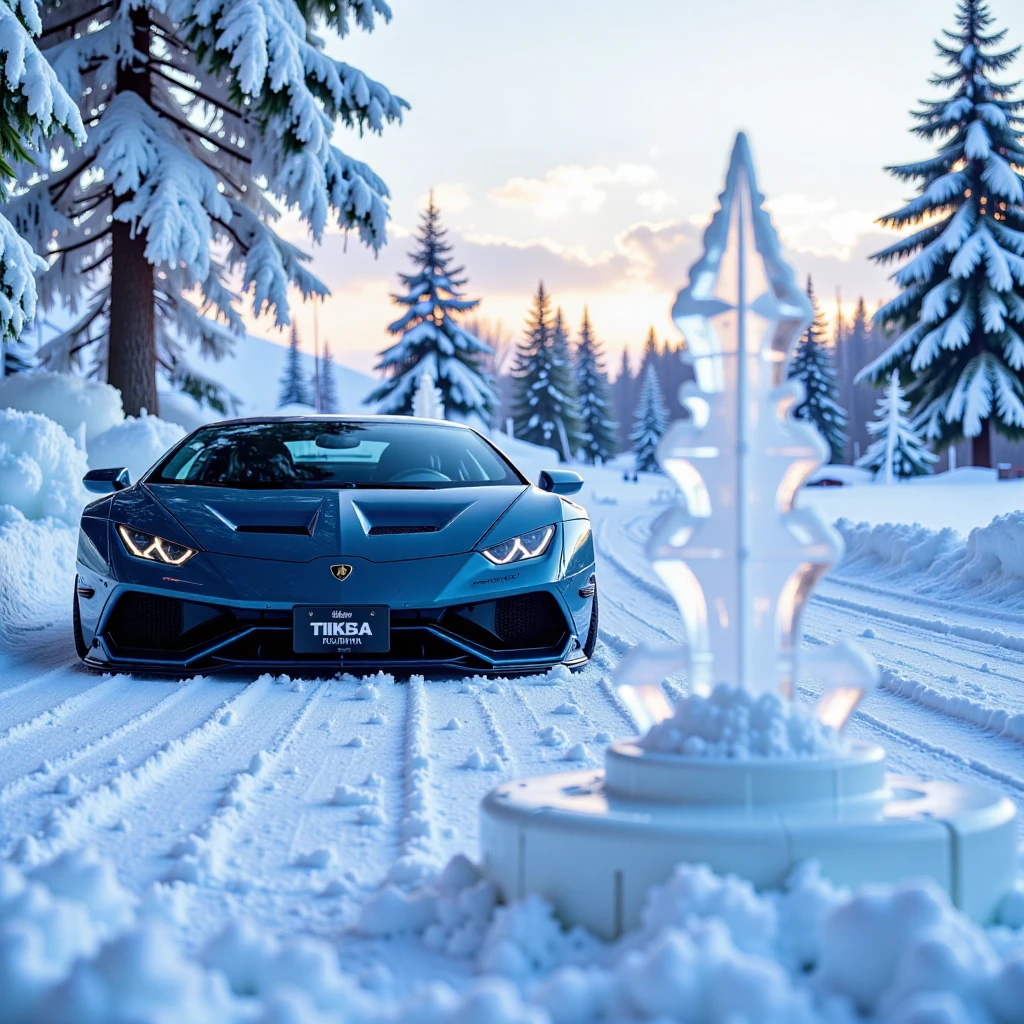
{"x": 451, "y": 197}
{"x": 569, "y": 188}
{"x": 502, "y": 266}
{"x": 817, "y": 226}
{"x": 656, "y": 200}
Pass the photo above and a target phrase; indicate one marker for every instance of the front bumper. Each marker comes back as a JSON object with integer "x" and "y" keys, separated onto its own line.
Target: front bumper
{"x": 156, "y": 632}
{"x": 452, "y": 614}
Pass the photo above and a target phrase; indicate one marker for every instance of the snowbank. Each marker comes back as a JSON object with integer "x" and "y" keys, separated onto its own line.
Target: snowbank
{"x": 135, "y": 443}
{"x": 74, "y": 946}
{"x": 41, "y": 468}
{"x": 712, "y": 949}
{"x": 177, "y": 407}
{"x": 988, "y": 567}
{"x": 734, "y": 724}
{"x": 65, "y": 399}
{"x": 37, "y": 570}
{"x": 530, "y": 458}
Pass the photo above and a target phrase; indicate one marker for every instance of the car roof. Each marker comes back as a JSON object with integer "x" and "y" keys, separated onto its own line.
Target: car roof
{"x": 331, "y": 417}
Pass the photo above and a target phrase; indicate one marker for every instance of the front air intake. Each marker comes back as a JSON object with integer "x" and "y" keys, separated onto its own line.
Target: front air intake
{"x": 146, "y": 621}
{"x": 529, "y": 620}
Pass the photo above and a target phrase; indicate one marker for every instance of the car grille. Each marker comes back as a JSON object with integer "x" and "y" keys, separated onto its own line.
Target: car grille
{"x": 146, "y": 621}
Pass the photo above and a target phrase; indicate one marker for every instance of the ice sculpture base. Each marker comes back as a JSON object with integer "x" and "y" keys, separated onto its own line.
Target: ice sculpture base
{"x": 593, "y": 842}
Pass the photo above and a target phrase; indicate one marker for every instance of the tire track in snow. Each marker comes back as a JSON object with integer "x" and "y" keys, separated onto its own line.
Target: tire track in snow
{"x": 977, "y": 634}
{"x": 417, "y": 825}
{"x": 61, "y": 672}
{"x": 66, "y": 762}
{"x": 71, "y": 824}
{"x": 202, "y": 856}
{"x": 69, "y": 706}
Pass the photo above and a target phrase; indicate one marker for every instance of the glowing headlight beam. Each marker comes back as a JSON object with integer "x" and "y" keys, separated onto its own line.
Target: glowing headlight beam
{"x": 153, "y": 549}
{"x": 526, "y": 545}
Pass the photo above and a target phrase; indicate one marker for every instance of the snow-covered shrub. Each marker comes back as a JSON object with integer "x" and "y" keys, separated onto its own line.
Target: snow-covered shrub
{"x": 41, "y": 469}
{"x": 135, "y": 443}
{"x": 733, "y": 723}
{"x": 65, "y": 399}
{"x": 996, "y": 549}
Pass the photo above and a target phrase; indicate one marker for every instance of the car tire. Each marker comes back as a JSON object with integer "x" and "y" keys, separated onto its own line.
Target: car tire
{"x": 591, "y": 642}
{"x": 76, "y": 626}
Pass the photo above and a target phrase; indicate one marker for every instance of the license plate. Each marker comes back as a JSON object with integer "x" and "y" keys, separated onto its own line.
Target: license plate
{"x": 341, "y": 629}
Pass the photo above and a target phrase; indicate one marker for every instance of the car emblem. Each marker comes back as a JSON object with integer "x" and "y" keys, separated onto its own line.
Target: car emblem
{"x": 341, "y": 572}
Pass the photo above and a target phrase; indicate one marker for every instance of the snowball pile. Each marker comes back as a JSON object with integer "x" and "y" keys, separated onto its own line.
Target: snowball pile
{"x": 733, "y": 723}
{"x": 74, "y": 946}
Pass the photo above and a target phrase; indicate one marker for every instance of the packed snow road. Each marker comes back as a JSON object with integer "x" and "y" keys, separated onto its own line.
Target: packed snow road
{"x": 288, "y": 801}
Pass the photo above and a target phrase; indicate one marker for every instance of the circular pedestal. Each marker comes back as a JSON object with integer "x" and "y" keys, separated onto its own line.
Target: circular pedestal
{"x": 593, "y": 843}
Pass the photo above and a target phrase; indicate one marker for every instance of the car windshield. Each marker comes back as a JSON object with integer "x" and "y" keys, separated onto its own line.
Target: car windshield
{"x": 335, "y": 453}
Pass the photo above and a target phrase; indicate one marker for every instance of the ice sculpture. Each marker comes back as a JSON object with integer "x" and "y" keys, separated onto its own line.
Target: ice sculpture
{"x": 741, "y": 559}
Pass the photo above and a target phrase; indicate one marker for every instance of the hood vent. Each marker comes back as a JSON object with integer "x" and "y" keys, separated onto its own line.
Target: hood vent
{"x": 292, "y": 517}
{"x": 391, "y": 531}
{"x": 302, "y": 531}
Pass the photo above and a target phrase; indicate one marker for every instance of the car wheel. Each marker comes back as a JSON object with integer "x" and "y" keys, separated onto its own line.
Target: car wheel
{"x": 591, "y": 641}
{"x": 76, "y": 626}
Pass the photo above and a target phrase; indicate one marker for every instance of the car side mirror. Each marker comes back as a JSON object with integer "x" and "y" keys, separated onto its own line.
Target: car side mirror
{"x": 560, "y": 481}
{"x": 106, "y": 481}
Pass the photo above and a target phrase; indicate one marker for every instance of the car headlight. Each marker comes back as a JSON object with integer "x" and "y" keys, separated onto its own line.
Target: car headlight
{"x": 527, "y": 545}
{"x": 153, "y": 549}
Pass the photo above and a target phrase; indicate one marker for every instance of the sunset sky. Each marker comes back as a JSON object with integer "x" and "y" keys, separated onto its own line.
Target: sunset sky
{"x": 570, "y": 141}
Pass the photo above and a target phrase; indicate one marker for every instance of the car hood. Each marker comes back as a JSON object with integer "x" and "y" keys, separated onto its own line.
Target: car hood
{"x": 295, "y": 526}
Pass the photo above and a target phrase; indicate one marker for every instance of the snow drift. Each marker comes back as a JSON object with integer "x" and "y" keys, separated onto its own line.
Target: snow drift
{"x": 66, "y": 399}
{"x": 41, "y": 468}
{"x": 75, "y": 946}
{"x": 135, "y": 443}
{"x": 988, "y": 567}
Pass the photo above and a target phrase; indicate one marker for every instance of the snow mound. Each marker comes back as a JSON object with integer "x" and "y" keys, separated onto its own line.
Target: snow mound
{"x": 65, "y": 399}
{"x": 41, "y": 469}
{"x": 732, "y": 723}
{"x": 988, "y": 566}
{"x": 74, "y": 946}
{"x": 135, "y": 444}
{"x": 177, "y": 407}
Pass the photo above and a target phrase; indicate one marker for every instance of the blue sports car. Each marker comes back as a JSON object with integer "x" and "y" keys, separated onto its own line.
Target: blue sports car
{"x": 335, "y": 543}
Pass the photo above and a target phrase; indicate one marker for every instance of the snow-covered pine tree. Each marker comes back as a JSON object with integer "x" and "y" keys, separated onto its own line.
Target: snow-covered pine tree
{"x": 544, "y": 403}
{"x": 328, "y": 385}
{"x": 206, "y": 120}
{"x": 295, "y": 389}
{"x": 597, "y": 424}
{"x": 898, "y": 450}
{"x": 432, "y": 338}
{"x": 649, "y": 421}
{"x": 428, "y": 402}
{"x": 812, "y": 365}
{"x": 33, "y": 106}
{"x": 959, "y": 319}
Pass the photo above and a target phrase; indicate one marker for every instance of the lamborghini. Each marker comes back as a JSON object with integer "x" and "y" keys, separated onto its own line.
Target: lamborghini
{"x": 327, "y": 544}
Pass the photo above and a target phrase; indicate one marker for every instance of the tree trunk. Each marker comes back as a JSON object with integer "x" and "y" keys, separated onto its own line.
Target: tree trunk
{"x": 981, "y": 446}
{"x": 131, "y": 357}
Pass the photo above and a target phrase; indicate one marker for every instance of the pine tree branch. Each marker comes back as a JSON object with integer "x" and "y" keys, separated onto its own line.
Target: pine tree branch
{"x": 227, "y": 148}
{"x": 71, "y": 22}
{"x": 91, "y": 240}
{"x": 154, "y": 65}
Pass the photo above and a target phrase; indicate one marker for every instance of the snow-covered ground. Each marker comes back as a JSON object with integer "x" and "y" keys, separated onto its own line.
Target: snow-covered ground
{"x": 140, "y": 818}
{"x": 288, "y": 803}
